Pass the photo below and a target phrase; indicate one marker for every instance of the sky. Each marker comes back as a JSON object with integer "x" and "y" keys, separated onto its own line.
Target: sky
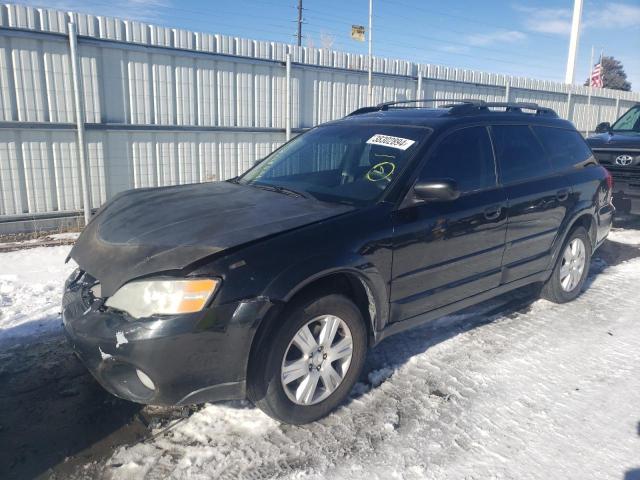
{"x": 514, "y": 37}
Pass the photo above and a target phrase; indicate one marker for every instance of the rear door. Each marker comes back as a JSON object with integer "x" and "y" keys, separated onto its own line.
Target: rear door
{"x": 538, "y": 198}
{"x": 570, "y": 154}
{"x": 448, "y": 251}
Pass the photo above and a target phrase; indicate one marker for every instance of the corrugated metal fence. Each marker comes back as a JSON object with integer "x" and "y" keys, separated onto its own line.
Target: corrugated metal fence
{"x": 165, "y": 106}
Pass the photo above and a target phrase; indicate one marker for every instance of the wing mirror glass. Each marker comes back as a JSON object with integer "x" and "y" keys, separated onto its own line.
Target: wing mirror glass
{"x": 444, "y": 190}
{"x": 603, "y": 127}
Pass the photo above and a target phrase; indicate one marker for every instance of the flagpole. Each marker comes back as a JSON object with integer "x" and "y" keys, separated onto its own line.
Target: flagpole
{"x": 590, "y": 84}
{"x": 573, "y": 42}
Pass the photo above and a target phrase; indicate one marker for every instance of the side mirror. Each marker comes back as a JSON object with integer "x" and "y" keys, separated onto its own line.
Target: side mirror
{"x": 444, "y": 190}
{"x": 255, "y": 162}
{"x": 603, "y": 127}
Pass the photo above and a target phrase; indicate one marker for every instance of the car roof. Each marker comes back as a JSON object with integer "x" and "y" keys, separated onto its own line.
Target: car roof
{"x": 460, "y": 113}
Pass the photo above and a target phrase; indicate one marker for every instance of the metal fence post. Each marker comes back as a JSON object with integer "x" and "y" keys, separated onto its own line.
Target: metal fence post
{"x": 419, "y": 89}
{"x": 589, "y": 110}
{"x": 507, "y": 91}
{"x": 569, "y": 107}
{"x": 79, "y": 104}
{"x": 287, "y": 111}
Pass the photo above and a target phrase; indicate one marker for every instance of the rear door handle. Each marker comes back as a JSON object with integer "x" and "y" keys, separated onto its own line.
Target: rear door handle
{"x": 562, "y": 195}
{"x": 492, "y": 213}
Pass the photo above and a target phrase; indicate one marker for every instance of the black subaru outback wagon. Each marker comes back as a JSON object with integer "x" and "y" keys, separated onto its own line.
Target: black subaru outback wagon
{"x": 273, "y": 285}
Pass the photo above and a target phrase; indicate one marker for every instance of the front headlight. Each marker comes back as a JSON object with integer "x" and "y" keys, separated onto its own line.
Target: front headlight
{"x": 163, "y": 297}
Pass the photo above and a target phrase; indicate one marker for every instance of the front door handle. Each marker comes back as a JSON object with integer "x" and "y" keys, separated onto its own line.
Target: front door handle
{"x": 492, "y": 213}
{"x": 562, "y": 195}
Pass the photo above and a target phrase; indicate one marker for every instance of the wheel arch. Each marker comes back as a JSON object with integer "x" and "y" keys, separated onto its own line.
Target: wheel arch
{"x": 346, "y": 281}
{"x": 584, "y": 218}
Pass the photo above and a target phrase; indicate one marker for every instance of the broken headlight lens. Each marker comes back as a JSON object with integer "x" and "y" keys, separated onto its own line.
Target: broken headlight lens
{"x": 163, "y": 297}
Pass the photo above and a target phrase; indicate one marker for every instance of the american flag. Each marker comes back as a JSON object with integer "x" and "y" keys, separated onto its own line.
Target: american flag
{"x": 596, "y": 76}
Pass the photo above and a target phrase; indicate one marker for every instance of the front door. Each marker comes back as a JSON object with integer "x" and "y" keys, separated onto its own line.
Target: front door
{"x": 447, "y": 251}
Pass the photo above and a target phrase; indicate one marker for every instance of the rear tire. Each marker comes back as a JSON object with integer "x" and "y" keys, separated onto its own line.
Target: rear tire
{"x": 306, "y": 368}
{"x": 571, "y": 269}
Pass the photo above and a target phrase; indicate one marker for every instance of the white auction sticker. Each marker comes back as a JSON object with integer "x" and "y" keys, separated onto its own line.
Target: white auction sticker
{"x": 389, "y": 141}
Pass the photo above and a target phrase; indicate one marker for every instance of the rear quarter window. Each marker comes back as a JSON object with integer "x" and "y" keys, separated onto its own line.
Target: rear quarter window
{"x": 566, "y": 148}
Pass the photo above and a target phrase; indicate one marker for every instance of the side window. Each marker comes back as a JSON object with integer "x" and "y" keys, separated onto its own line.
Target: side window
{"x": 519, "y": 153}
{"x": 566, "y": 148}
{"x": 466, "y": 157}
{"x": 630, "y": 121}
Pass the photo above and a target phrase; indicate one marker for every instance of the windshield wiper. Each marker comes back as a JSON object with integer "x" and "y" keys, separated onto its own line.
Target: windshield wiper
{"x": 290, "y": 191}
{"x": 280, "y": 189}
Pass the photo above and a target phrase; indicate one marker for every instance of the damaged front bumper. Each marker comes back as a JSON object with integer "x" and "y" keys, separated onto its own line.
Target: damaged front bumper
{"x": 162, "y": 360}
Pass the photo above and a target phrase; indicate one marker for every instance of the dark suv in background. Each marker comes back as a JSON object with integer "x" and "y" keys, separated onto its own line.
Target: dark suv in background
{"x": 617, "y": 147}
{"x": 273, "y": 285}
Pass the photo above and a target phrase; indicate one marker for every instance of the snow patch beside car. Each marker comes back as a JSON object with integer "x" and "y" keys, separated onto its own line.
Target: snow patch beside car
{"x": 31, "y": 286}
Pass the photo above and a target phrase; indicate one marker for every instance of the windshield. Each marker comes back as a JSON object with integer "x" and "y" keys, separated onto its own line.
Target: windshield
{"x": 629, "y": 122}
{"x": 338, "y": 163}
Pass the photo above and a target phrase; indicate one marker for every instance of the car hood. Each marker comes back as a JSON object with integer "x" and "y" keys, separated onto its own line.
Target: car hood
{"x": 614, "y": 141}
{"x": 141, "y": 232}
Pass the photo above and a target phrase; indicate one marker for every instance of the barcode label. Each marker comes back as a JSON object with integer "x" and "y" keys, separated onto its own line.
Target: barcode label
{"x": 389, "y": 141}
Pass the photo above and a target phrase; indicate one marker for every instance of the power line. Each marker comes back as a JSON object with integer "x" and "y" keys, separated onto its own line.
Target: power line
{"x": 440, "y": 40}
{"x": 279, "y": 30}
{"x": 461, "y": 17}
{"x": 431, "y": 11}
{"x": 469, "y": 55}
{"x": 391, "y": 53}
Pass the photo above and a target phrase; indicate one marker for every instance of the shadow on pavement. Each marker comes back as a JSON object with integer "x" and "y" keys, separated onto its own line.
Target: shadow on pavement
{"x": 614, "y": 253}
{"x": 626, "y": 221}
{"x": 51, "y": 408}
{"x": 398, "y": 349}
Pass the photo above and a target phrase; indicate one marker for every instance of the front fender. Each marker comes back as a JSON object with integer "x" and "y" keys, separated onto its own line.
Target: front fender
{"x": 299, "y": 275}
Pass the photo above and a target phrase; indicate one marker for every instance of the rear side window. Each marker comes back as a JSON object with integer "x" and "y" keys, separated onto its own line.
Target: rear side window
{"x": 566, "y": 148}
{"x": 519, "y": 153}
{"x": 466, "y": 157}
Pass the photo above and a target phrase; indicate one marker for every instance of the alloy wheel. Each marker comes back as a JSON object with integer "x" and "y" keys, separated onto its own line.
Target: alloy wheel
{"x": 573, "y": 264}
{"x": 316, "y": 360}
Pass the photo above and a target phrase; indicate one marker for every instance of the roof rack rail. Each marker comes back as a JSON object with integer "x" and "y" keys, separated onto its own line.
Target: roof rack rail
{"x": 464, "y": 106}
{"x": 510, "y": 107}
{"x": 385, "y": 105}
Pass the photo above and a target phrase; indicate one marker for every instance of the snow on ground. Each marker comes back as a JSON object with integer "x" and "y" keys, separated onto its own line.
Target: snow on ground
{"x": 544, "y": 391}
{"x": 549, "y": 392}
{"x": 31, "y": 283}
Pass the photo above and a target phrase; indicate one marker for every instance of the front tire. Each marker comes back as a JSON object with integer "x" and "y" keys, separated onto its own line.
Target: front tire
{"x": 571, "y": 269}
{"x": 311, "y": 362}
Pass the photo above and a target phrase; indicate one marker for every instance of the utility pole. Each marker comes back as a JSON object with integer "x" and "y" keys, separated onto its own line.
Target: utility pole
{"x": 370, "y": 96}
{"x": 299, "y": 23}
{"x": 573, "y": 42}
